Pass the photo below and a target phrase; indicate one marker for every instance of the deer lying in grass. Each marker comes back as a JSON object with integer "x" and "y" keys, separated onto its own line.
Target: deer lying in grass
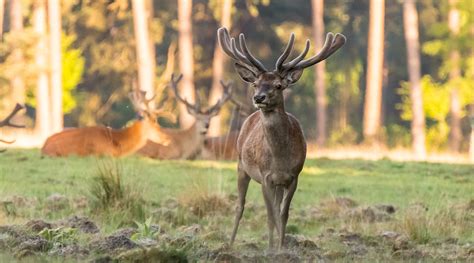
{"x": 7, "y": 122}
{"x": 99, "y": 140}
{"x": 187, "y": 143}
{"x": 271, "y": 144}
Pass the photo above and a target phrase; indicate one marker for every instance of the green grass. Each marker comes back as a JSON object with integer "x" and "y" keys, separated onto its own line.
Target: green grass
{"x": 438, "y": 187}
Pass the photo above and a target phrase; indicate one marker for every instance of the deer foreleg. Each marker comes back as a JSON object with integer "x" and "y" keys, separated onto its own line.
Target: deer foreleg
{"x": 267, "y": 196}
{"x": 243, "y": 181}
{"x": 290, "y": 191}
{"x": 277, "y": 202}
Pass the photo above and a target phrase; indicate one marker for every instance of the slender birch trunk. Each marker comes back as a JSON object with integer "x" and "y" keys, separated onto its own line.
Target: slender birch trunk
{"x": 54, "y": 22}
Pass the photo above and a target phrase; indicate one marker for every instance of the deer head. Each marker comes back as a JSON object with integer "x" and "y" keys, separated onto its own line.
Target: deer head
{"x": 144, "y": 109}
{"x": 269, "y": 85}
{"x": 203, "y": 117}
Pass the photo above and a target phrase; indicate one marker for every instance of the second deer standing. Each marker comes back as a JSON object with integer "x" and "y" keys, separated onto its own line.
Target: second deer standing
{"x": 271, "y": 144}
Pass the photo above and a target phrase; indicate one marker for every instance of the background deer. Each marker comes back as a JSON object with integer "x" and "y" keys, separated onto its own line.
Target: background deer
{"x": 187, "y": 143}
{"x": 7, "y": 122}
{"x": 99, "y": 140}
{"x": 271, "y": 144}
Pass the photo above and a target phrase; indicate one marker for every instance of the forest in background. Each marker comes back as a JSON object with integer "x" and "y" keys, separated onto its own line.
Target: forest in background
{"x": 99, "y": 60}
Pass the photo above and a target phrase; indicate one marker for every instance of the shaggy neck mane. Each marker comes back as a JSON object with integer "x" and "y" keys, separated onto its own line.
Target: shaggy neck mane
{"x": 276, "y": 130}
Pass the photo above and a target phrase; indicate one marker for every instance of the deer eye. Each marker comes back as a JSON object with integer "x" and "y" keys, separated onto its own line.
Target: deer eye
{"x": 278, "y": 86}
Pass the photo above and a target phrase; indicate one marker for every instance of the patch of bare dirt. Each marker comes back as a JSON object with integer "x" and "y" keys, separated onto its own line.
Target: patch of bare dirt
{"x": 36, "y": 225}
{"x": 83, "y": 224}
{"x": 113, "y": 243}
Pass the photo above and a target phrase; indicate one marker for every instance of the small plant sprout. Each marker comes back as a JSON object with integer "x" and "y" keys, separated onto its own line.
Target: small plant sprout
{"x": 145, "y": 230}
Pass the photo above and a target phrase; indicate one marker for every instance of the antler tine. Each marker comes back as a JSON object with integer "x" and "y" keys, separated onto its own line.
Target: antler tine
{"x": 224, "y": 41}
{"x": 338, "y": 42}
{"x": 134, "y": 98}
{"x": 174, "y": 87}
{"x": 243, "y": 45}
{"x": 286, "y": 52}
{"x": 242, "y": 56}
{"x": 6, "y": 121}
{"x": 227, "y": 94}
{"x": 297, "y": 60}
{"x": 330, "y": 46}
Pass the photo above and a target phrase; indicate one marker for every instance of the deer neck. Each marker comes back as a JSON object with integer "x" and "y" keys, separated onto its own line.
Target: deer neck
{"x": 132, "y": 138}
{"x": 191, "y": 141}
{"x": 276, "y": 127}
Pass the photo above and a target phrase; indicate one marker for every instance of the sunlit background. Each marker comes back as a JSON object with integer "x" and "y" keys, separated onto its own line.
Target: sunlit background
{"x": 369, "y": 94}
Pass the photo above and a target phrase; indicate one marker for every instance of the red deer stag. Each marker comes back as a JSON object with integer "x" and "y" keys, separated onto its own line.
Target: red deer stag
{"x": 107, "y": 141}
{"x": 225, "y": 147}
{"x": 7, "y": 122}
{"x": 187, "y": 143}
{"x": 271, "y": 144}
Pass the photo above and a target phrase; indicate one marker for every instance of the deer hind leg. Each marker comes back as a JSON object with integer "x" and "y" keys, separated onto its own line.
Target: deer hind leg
{"x": 286, "y": 208}
{"x": 243, "y": 181}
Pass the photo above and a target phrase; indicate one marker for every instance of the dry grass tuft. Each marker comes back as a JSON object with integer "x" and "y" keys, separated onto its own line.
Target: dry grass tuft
{"x": 109, "y": 192}
{"x": 201, "y": 201}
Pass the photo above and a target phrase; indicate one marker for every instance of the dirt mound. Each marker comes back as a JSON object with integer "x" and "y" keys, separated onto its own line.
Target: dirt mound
{"x": 84, "y": 224}
{"x": 72, "y": 250}
{"x": 30, "y": 245}
{"x": 113, "y": 243}
{"x": 56, "y": 202}
{"x": 37, "y": 225}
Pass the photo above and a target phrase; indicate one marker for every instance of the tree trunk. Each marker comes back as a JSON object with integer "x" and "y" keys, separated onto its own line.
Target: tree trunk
{"x": 42, "y": 123}
{"x": 375, "y": 53}
{"x": 455, "y": 136}
{"x": 218, "y": 68}
{"x": 186, "y": 61}
{"x": 54, "y": 21}
{"x": 410, "y": 21}
{"x": 319, "y": 73}
{"x": 144, "y": 47}
{"x": 17, "y": 82}
{"x": 2, "y": 16}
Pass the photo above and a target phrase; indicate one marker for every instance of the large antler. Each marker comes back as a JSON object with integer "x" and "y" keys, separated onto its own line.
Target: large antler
{"x": 174, "y": 86}
{"x": 242, "y": 56}
{"x": 6, "y": 121}
{"x": 331, "y": 45}
{"x": 227, "y": 95}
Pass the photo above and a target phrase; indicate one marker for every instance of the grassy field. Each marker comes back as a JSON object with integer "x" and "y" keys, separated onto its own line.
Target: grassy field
{"x": 383, "y": 203}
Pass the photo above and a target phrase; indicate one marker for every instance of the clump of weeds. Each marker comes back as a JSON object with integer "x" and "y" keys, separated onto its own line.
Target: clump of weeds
{"x": 110, "y": 194}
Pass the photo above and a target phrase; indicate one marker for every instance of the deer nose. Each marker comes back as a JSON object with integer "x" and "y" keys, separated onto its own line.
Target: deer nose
{"x": 206, "y": 125}
{"x": 259, "y": 98}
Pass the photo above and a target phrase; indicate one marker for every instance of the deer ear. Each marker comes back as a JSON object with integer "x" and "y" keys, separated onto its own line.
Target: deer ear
{"x": 246, "y": 74}
{"x": 293, "y": 76}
